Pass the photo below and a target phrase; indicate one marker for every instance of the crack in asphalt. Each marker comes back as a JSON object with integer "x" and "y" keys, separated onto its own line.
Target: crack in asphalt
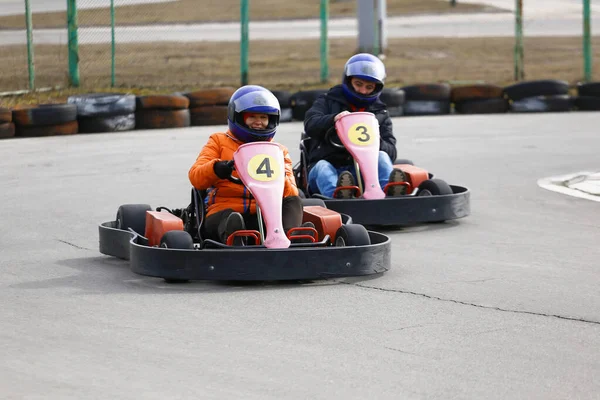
{"x": 73, "y": 245}
{"x": 464, "y": 303}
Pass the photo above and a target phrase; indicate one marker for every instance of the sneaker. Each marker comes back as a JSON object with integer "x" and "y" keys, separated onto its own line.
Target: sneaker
{"x": 397, "y": 176}
{"x": 345, "y": 179}
{"x": 307, "y": 224}
{"x": 234, "y": 223}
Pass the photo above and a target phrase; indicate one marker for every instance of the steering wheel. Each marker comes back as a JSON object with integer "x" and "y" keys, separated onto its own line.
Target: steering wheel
{"x": 232, "y": 178}
{"x": 333, "y": 139}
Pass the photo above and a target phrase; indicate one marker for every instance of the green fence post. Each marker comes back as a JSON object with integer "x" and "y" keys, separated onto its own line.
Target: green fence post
{"x": 453, "y": 3}
{"x": 587, "y": 42}
{"x": 519, "y": 52}
{"x": 244, "y": 42}
{"x": 73, "y": 43}
{"x": 324, "y": 41}
{"x": 112, "y": 43}
{"x": 30, "y": 64}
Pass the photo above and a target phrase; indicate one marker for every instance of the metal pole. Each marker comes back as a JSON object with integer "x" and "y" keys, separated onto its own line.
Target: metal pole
{"x": 587, "y": 42}
{"x": 73, "y": 43}
{"x": 244, "y": 42}
{"x": 112, "y": 41}
{"x": 453, "y": 3}
{"x": 375, "y": 28}
{"x": 324, "y": 41}
{"x": 519, "y": 53}
{"x": 30, "y": 63}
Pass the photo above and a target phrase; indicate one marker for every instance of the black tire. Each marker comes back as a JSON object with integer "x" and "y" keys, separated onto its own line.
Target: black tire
{"x": 428, "y": 91}
{"x": 283, "y": 97}
{"x": 313, "y": 202}
{"x": 103, "y": 104}
{"x": 396, "y": 111}
{"x": 587, "y": 103}
{"x": 589, "y": 89}
{"x": 482, "y": 106}
{"x": 5, "y": 115}
{"x": 301, "y": 101}
{"x": 352, "y": 235}
{"x": 111, "y": 123}
{"x": 427, "y": 107}
{"x": 548, "y": 87}
{"x": 162, "y": 119}
{"x": 434, "y": 187}
{"x": 133, "y": 216}
{"x": 45, "y": 114}
{"x": 177, "y": 240}
{"x": 7, "y": 130}
{"x": 286, "y": 115}
{"x": 392, "y": 97}
{"x": 403, "y": 161}
{"x": 557, "y": 103}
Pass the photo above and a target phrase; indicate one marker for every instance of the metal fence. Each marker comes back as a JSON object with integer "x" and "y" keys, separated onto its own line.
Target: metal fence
{"x": 177, "y": 45}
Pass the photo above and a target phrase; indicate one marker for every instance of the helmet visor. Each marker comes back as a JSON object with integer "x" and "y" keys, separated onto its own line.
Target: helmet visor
{"x": 260, "y": 102}
{"x": 366, "y": 69}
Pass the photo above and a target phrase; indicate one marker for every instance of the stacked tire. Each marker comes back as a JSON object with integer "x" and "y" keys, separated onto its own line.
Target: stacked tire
{"x": 301, "y": 101}
{"x": 427, "y": 99}
{"x": 479, "y": 99}
{"x": 588, "y": 96}
{"x": 7, "y": 127}
{"x": 284, "y": 98}
{"x": 46, "y": 120}
{"x": 104, "y": 112}
{"x": 162, "y": 112}
{"x": 539, "y": 96}
{"x": 394, "y": 99}
{"x": 209, "y": 106}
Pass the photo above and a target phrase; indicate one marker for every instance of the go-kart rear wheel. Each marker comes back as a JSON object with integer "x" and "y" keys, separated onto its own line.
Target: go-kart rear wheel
{"x": 177, "y": 240}
{"x": 434, "y": 187}
{"x": 133, "y": 216}
{"x": 352, "y": 235}
{"x": 313, "y": 202}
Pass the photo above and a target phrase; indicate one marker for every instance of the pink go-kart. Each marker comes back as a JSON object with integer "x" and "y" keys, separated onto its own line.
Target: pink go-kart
{"x": 427, "y": 199}
{"x": 171, "y": 244}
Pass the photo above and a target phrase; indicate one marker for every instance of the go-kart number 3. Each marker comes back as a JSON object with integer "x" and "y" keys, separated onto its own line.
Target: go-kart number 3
{"x": 263, "y": 168}
{"x": 360, "y": 134}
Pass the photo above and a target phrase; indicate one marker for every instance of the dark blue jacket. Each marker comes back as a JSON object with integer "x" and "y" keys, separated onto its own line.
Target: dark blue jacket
{"x": 319, "y": 119}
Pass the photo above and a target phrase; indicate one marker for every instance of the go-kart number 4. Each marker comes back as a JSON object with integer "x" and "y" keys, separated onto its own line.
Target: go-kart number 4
{"x": 361, "y": 134}
{"x": 263, "y": 168}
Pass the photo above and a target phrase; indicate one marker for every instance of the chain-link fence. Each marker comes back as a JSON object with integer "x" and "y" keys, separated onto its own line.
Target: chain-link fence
{"x": 190, "y": 44}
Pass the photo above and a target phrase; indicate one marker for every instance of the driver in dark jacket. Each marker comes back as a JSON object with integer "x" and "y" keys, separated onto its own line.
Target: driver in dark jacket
{"x": 330, "y": 166}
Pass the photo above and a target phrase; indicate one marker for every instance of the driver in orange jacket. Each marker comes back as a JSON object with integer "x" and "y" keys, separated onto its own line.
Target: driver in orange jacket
{"x": 253, "y": 115}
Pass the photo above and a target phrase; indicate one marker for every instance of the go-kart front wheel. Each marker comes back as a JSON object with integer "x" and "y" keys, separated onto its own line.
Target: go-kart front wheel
{"x": 177, "y": 240}
{"x": 352, "y": 235}
{"x": 133, "y": 216}
{"x": 434, "y": 187}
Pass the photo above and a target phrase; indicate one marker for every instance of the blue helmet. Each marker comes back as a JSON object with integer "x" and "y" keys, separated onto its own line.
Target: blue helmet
{"x": 252, "y": 98}
{"x": 364, "y": 66}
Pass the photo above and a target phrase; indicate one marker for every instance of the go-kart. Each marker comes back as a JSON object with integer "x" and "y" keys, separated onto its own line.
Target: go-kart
{"x": 172, "y": 244}
{"x": 426, "y": 199}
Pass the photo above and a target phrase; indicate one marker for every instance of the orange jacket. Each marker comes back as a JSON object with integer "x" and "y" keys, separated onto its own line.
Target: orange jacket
{"x": 226, "y": 194}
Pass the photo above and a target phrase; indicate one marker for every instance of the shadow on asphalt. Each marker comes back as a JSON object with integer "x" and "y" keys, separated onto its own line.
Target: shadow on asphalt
{"x": 109, "y": 275}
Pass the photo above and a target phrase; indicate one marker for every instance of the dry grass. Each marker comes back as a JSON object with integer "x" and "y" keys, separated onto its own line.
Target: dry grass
{"x": 229, "y": 10}
{"x": 287, "y": 65}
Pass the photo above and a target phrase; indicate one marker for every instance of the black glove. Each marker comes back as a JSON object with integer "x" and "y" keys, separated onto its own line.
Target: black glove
{"x": 223, "y": 169}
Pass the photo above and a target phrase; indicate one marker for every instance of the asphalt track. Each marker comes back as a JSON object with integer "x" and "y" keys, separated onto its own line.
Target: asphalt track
{"x": 503, "y": 304}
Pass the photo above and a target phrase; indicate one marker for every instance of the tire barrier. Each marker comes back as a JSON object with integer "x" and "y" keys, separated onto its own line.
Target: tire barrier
{"x": 301, "y": 101}
{"x": 555, "y": 103}
{"x": 46, "y": 120}
{"x": 427, "y": 99}
{"x": 104, "y": 112}
{"x": 7, "y": 130}
{"x": 588, "y": 96}
{"x": 479, "y": 99}
{"x": 115, "y": 112}
{"x": 162, "y": 112}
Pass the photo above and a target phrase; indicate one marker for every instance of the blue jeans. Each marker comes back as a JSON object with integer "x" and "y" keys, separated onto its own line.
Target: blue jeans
{"x": 323, "y": 176}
